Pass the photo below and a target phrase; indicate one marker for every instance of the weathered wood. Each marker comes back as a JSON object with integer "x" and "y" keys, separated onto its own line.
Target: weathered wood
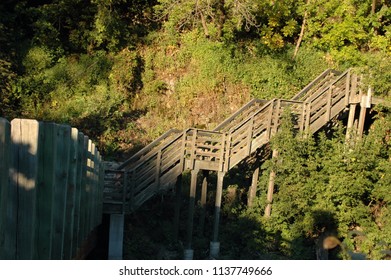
{"x": 219, "y": 193}
{"x": 71, "y": 195}
{"x": 361, "y": 120}
{"x": 192, "y": 197}
{"x": 78, "y": 194}
{"x": 328, "y": 104}
{"x": 5, "y": 161}
{"x": 45, "y": 193}
{"x": 204, "y": 191}
{"x": 116, "y": 236}
{"x": 25, "y": 139}
{"x": 60, "y": 190}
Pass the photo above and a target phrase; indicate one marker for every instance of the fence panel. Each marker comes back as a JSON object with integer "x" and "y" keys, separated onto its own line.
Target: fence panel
{"x": 50, "y": 190}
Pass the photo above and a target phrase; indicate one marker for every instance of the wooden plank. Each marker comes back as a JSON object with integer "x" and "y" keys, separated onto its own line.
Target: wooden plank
{"x": 192, "y": 195}
{"x": 84, "y": 185}
{"x": 71, "y": 195}
{"x": 12, "y": 209}
{"x": 78, "y": 194}
{"x": 328, "y": 104}
{"x": 25, "y": 138}
{"x": 89, "y": 197}
{"x": 5, "y": 161}
{"x": 219, "y": 193}
{"x": 63, "y": 136}
{"x": 45, "y": 193}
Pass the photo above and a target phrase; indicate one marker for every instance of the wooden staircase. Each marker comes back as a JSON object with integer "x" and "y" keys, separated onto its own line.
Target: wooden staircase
{"x": 156, "y": 167}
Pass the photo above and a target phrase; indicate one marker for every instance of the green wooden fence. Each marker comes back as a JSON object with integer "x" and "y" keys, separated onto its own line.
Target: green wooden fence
{"x": 51, "y": 190}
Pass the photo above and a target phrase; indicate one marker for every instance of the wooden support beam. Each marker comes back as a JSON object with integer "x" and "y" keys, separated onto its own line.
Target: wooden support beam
{"x": 215, "y": 245}
{"x": 193, "y": 188}
{"x": 361, "y": 120}
{"x": 219, "y": 193}
{"x": 204, "y": 191}
{"x": 253, "y": 188}
{"x": 270, "y": 188}
{"x": 116, "y": 236}
{"x": 349, "y": 126}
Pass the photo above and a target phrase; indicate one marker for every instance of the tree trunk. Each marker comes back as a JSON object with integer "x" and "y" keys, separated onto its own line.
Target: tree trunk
{"x": 301, "y": 32}
{"x": 300, "y": 36}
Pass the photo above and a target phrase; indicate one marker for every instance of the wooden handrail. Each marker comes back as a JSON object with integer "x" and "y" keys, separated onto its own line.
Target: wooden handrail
{"x": 302, "y": 93}
{"x": 148, "y": 148}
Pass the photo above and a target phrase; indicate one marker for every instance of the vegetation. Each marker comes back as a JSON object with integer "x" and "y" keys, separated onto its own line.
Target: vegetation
{"x": 126, "y": 71}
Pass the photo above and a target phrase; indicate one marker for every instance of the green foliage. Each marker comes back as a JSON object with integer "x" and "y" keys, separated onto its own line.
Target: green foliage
{"x": 344, "y": 186}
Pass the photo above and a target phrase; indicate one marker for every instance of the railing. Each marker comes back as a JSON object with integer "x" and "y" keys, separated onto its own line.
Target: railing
{"x": 157, "y": 166}
{"x": 51, "y": 186}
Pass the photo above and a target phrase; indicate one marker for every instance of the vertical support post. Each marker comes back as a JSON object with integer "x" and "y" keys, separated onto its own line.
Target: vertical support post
{"x": 347, "y": 88}
{"x": 188, "y": 254}
{"x": 270, "y": 188}
{"x": 253, "y": 188}
{"x": 250, "y": 135}
{"x": 329, "y": 103}
{"x": 353, "y": 89}
{"x": 178, "y": 202}
{"x": 193, "y": 149}
{"x": 214, "y": 244}
{"x": 349, "y": 126}
{"x": 269, "y": 121}
{"x": 302, "y": 117}
{"x": 361, "y": 120}
{"x": 116, "y": 236}
{"x": 204, "y": 191}
{"x": 308, "y": 117}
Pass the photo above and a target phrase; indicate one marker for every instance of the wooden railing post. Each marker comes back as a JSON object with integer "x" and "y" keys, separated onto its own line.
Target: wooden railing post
{"x": 329, "y": 103}
{"x": 347, "y": 88}
{"x": 250, "y": 135}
